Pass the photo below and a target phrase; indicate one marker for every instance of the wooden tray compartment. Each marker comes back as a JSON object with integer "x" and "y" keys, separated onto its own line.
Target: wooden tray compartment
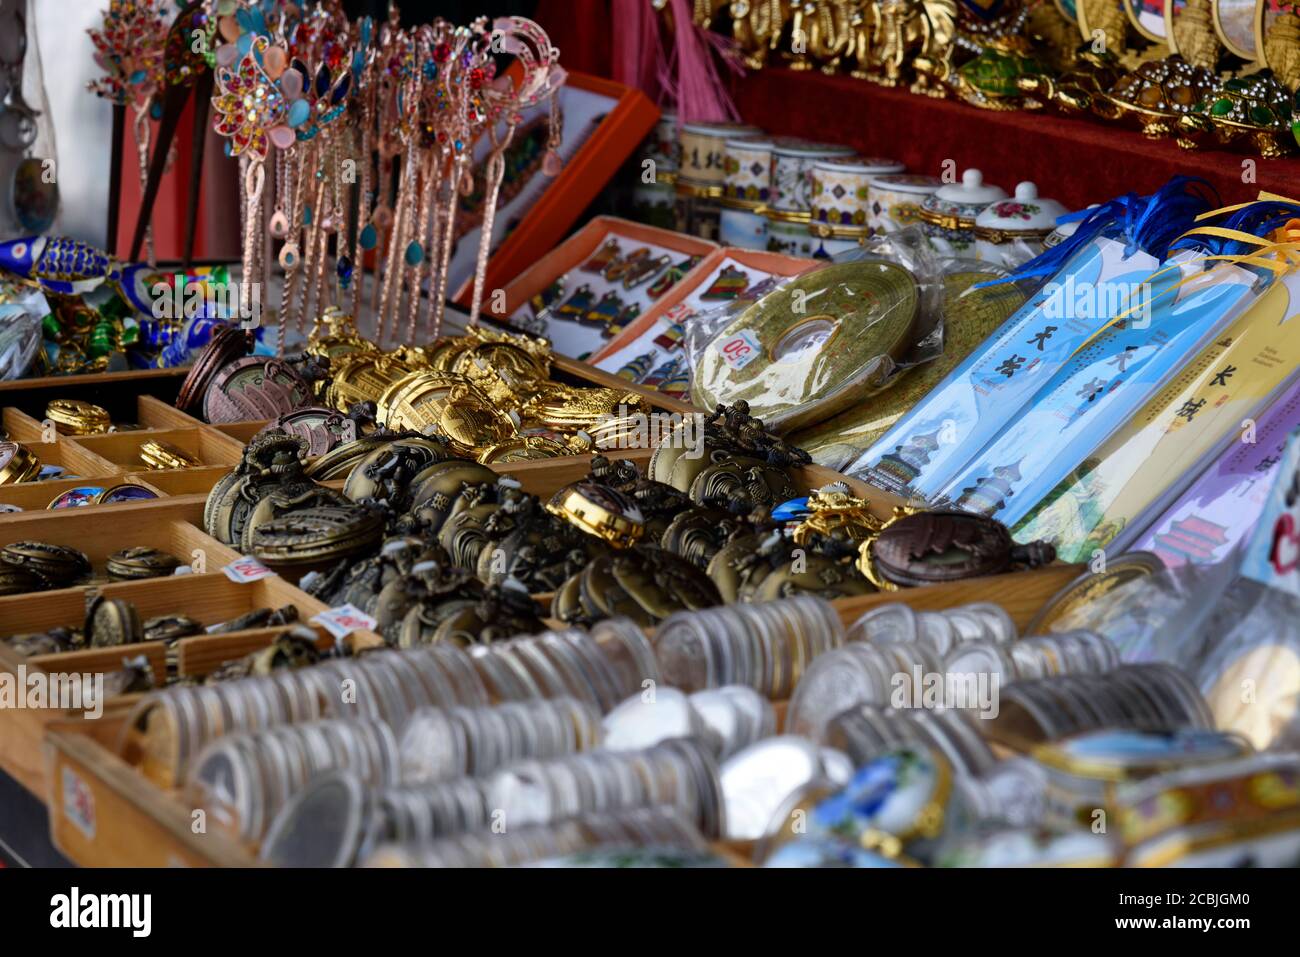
{"x": 36, "y": 496}
{"x": 167, "y": 525}
{"x": 209, "y": 599}
{"x": 120, "y": 451}
{"x": 150, "y": 413}
{"x": 195, "y": 481}
{"x": 61, "y": 452}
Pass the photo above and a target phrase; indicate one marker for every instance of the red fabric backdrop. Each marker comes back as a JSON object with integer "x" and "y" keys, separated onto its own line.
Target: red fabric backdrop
{"x": 1077, "y": 161}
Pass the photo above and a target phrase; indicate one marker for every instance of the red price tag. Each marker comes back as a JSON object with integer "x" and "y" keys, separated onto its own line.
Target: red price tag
{"x": 245, "y": 570}
{"x": 345, "y": 619}
{"x": 740, "y": 350}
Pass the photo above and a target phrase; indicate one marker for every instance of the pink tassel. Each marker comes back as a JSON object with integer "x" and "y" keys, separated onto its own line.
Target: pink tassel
{"x": 638, "y": 53}
{"x": 691, "y": 77}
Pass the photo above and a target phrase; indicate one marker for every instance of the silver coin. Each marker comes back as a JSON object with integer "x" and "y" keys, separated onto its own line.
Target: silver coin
{"x": 886, "y": 623}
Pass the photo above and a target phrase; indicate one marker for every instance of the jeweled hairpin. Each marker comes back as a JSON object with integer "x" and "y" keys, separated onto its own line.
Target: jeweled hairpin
{"x": 129, "y": 48}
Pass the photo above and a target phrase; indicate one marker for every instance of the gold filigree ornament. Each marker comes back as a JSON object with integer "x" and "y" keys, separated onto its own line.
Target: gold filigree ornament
{"x": 566, "y": 407}
{"x": 335, "y": 335}
{"x": 1189, "y": 31}
{"x": 838, "y": 515}
{"x": 448, "y": 405}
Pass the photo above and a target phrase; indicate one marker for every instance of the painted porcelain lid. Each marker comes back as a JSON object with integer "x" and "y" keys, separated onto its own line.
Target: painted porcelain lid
{"x": 1023, "y": 212}
{"x": 906, "y": 183}
{"x": 860, "y": 164}
{"x": 751, "y": 141}
{"x": 793, "y": 146}
{"x": 720, "y": 129}
{"x": 971, "y": 191}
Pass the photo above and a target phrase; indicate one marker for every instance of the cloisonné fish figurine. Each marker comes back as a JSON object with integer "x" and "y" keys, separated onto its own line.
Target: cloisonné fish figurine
{"x": 70, "y": 267}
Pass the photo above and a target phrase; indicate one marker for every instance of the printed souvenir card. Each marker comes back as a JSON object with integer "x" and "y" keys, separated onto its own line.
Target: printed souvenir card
{"x": 592, "y": 303}
{"x": 1209, "y": 400}
{"x": 1273, "y": 555}
{"x": 1095, "y": 393}
{"x": 927, "y": 447}
{"x": 656, "y": 359}
{"x": 1222, "y": 507}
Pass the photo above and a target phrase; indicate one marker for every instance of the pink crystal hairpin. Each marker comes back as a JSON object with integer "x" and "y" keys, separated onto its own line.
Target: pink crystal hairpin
{"x": 540, "y": 76}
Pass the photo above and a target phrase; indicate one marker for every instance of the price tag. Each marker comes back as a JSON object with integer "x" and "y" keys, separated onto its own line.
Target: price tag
{"x": 678, "y": 313}
{"x": 741, "y": 349}
{"x": 345, "y": 619}
{"x": 245, "y": 570}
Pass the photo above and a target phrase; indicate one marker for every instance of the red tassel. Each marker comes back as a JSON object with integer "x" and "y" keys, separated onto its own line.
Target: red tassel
{"x": 691, "y": 77}
{"x": 638, "y": 52}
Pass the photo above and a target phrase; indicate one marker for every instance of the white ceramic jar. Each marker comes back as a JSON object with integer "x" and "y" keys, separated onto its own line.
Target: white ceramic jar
{"x": 703, "y": 154}
{"x": 1013, "y": 231}
{"x": 896, "y": 200}
{"x": 792, "y": 163}
{"x": 949, "y": 213}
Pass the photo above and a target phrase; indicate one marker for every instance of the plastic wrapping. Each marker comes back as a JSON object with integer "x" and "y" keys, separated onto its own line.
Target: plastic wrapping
{"x": 927, "y": 447}
{"x": 1160, "y": 617}
{"x": 1207, "y": 418}
{"x": 21, "y": 334}
{"x": 1250, "y": 672}
{"x": 825, "y": 339}
{"x": 969, "y": 316}
{"x": 1099, "y": 388}
{"x": 1221, "y": 509}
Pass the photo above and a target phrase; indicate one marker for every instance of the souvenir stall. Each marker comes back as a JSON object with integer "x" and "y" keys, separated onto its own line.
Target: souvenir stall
{"x": 856, "y": 433}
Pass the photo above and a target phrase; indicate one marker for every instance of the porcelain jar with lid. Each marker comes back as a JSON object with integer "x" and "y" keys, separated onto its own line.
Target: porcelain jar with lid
{"x": 703, "y": 155}
{"x": 792, "y": 163}
{"x": 841, "y": 189}
{"x": 896, "y": 200}
{"x": 949, "y": 213}
{"x": 746, "y": 186}
{"x": 1014, "y": 231}
{"x": 662, "y": 147}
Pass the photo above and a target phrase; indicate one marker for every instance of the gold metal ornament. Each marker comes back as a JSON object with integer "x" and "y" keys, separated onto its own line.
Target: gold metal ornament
{"x": 1191, "y": 34}
{"x": 916, "y": 32}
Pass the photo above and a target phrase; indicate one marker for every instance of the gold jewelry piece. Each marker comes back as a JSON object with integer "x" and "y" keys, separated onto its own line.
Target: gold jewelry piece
{"x": 17, "y": 464}
{"x": 160, "y": 455}
{"x": 601, "y": 511}
{"x": 75, "y": 417}
{"x": 837, "y": 514}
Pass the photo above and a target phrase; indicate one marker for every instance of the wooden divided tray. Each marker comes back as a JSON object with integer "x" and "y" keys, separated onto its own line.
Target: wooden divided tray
{"x": 210, "y": 597}
{"x": 96, "y": 798}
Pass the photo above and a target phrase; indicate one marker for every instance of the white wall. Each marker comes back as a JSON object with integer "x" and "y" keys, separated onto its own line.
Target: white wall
{"x": 82, "y": 121}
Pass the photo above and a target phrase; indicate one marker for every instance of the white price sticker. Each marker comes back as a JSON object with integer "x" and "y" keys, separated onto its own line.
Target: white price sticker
{"x": 741, "y": 349}
{"x": 245, "y": 570}
{"x": 345, "y": 619}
